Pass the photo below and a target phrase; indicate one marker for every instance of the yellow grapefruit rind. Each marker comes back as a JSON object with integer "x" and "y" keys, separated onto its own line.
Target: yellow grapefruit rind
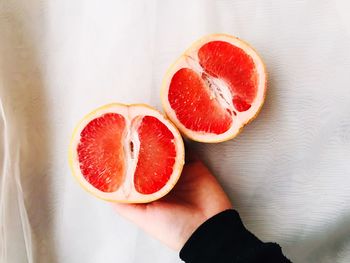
{"x": 146, "y": 198}
{"x": 168, "y": 75}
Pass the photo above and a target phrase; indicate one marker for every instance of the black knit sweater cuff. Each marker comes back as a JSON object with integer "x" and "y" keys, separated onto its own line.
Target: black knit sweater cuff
{"x": 223, "y": 238}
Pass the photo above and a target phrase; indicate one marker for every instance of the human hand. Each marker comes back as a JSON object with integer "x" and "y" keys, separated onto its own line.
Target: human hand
{"x": 172, "y": 219}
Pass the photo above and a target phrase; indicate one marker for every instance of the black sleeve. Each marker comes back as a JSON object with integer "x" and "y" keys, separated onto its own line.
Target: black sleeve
{"x": 223, "y": 238}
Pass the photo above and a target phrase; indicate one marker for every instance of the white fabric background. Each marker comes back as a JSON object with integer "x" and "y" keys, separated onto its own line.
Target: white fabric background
{"x": 288, "y": 173}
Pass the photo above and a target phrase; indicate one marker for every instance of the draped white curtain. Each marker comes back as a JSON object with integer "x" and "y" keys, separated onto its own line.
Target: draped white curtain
{"x": 288, "y": 173}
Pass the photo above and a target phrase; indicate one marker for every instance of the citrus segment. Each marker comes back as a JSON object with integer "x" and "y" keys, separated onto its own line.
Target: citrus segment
{"x": 231, "y": 64}
{"x": 100, "y": 152}
{"x": 156, "y": 156}
{"x": 193, "y": 103}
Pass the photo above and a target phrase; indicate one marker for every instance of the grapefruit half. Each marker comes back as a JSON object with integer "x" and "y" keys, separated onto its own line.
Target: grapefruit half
{"x": 216, "y": 87}
{"x": 126, "y": 153}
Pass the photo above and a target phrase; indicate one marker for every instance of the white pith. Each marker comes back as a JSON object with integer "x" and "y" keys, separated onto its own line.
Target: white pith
{"x": 130, "y": 156}
{"x": 218, "y": 89}
{"x": 133, "y": 115}
{"x": 190, "y": 60}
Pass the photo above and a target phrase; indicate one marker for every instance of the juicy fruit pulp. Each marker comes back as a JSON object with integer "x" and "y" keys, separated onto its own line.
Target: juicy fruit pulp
{"x": 195, "y": 96}
{"x": 102, "y": 157}
{"x": 214, "y": 85}
{"x": 156, "y": 157}
{"x": 127, "y": 151}
{"x": 101, "y": 154}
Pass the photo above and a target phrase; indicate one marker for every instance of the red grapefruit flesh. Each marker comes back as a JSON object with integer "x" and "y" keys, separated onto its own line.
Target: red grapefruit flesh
{"x": 126, "y": 153}
{"x": 233, "y": 65}
{"x": 190, "y": 99}
{"x": 215, "y": 88}
{"x": 156, "y": 156}
{"x": 100, "y": 152}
